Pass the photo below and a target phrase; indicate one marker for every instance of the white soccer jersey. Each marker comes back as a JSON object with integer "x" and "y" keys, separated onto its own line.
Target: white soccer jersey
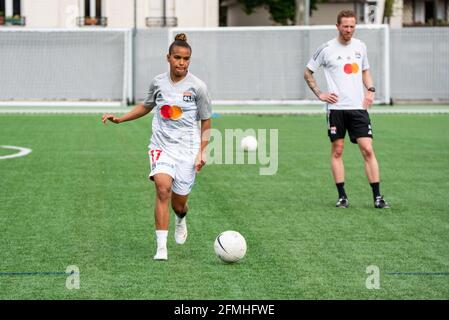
{"x": 177, "y": 109}
{"x": 343, "y": 66}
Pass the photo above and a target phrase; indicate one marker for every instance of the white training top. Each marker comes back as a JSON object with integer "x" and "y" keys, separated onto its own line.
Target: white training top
{"x": 178, "y": 108}
{"x": 343, "y": 65}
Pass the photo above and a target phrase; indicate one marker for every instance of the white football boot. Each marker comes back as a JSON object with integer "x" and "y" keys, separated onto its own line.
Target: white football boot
{"x": 161, "y": 254}
{"x": 180, "y": 230}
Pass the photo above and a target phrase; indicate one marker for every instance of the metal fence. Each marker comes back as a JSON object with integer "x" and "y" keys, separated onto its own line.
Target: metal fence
{"x": 237, "y": 64}
{"x": 58, "y": 65}
{"x": 256, "y": 64}
{"x": 419, "y": 59}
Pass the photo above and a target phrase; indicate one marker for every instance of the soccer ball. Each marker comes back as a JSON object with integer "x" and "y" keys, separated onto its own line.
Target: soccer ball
{"x": 249, "y": 143}
{"x": 230, "y": 246}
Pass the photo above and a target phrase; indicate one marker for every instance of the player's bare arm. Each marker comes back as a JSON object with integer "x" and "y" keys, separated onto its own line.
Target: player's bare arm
{"x": 368, "y": 82}
{"x": 205, "y": 134}
{"x": 138, "y": 111}
{"x": 323, "y": 96}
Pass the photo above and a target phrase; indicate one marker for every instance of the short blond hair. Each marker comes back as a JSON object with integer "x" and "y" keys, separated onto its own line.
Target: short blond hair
{"x": 346, "y": 14}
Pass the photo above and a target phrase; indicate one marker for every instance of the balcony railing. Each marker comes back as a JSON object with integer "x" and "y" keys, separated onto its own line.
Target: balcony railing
{"x": 153, "y": 22}
{"x": 12, "y": 21}
{"x": 92, "y": 21}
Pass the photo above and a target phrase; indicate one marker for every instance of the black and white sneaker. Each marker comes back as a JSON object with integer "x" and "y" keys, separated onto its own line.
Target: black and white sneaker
{"x": 342, "y": 203}
{"x": 380, "y": 203}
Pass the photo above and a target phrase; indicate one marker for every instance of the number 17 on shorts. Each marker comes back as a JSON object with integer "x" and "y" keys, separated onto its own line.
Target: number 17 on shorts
{"x": 181, "y": 170}
{"x": 161, "y": 163}
{"x": 155, "y": 154}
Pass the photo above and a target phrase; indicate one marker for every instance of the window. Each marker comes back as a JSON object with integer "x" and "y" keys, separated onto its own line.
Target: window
{"x": 11, "y": 13}
{"x": 93, "y": 13}
{"x": 2, "y": 8}
{"x": 87, "y": 8}
{"x": 429, "y": 12}
{"x": 92, "y": 8}
{"x": 2, "y": 12}
{"x": 16, "y": 8}
{"x": 161, "y": 14}
{"x": 98, "y": 8}
{"x": 10, "y": 8}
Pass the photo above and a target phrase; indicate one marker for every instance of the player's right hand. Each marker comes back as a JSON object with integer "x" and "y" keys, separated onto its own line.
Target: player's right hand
{"x": 200, "y": 161}
{"x": 110, "y": 117}
{"x": 328, "y": 97}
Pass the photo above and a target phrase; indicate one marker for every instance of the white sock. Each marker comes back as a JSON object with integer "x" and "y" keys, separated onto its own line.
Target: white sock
{"x": 161, "y": 238}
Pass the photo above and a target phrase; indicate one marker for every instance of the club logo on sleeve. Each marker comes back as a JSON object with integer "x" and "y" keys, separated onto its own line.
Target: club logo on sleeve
{"x": 171, "y": 112}
{"x": 187, "y": 96}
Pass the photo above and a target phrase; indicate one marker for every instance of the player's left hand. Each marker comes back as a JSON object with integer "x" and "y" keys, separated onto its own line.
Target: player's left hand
{"x": 369, "y": 99}
{"x": 200, "y": 161}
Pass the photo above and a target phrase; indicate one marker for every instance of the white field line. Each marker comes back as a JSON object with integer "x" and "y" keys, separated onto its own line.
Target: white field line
{"x": 221, "y": 110}
{"x": 22, "y": 152}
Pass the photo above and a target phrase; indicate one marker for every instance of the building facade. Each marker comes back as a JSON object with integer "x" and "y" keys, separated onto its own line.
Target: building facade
{"x": 205, "y": 13}
{"x": 421, "y": 13}
{"x": 404, "y": 13}
{"x": 108, "y": 13}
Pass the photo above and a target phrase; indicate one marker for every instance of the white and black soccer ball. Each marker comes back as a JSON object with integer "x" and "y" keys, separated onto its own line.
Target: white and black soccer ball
{"x": 249, "y": 143}
{"x": 230, "y": 246}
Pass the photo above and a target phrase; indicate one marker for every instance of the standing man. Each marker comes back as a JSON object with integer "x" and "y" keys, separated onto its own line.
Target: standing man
{"x": 351, "y": 93}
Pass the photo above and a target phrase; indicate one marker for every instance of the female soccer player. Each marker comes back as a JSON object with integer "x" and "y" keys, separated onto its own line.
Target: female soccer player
{"x": 178, "y": 143}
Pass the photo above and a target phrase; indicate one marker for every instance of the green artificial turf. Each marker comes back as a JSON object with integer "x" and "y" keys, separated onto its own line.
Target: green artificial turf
{"x": 82, "y": 198}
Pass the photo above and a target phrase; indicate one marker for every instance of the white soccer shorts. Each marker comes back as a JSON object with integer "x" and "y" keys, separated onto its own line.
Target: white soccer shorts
{"x": 181, "y": 170}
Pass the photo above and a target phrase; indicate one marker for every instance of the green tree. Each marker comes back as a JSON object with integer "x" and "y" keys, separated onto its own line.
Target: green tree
{"x": 388, "y": 10}
{"x": 282, "y": 11}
